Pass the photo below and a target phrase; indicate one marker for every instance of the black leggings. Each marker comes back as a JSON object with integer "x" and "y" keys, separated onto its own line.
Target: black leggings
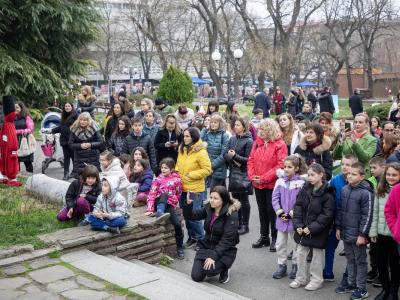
{"x": 266, "y": 212}
{"x": 68, "y": 155}
{"x": 244, "y": 211}
{"x": 388, "y": 258}
{"x": 198, "y": 272}
{"x": 173, "y": 216}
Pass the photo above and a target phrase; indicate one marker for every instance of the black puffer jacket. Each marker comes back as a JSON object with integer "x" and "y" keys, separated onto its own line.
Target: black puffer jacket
{"x": 64, "y": 129}
{"x": 221, "y": 238}
{"x": 110, "y": 128}
{"x": 354, "y": 215}
{"x": 162, "y": 137}
{"x": 144, "y": 141}
{"x": 85, "y": 156}
{"x": 314, "y": 210}
{"x": 75, "y": 189}
{"x": 319, "y": 154}
{"x": 326, "y": 103}
{"x": 117, "y": 143}
{"x": 87, "y": 105}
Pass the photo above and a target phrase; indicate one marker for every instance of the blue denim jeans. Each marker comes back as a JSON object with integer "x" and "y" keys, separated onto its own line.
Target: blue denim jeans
{"x": 98, "y": 224}
{"x": 194, "y": 228}
{"x": 330, "y": 253}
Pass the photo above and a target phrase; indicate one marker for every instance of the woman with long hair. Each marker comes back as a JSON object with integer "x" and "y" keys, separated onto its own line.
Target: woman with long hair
{"x": 267, "y": 155}
{"x": 118, "y": 111}
{"x": 212, "y": 107}
{"x": 86, "y": 101}
{"x": 193, "y": 165}
{"x": 117, "y": 142}
{"x": 279, "y": 101}
{"x": 232, "y": 111}
{"x": 86, "y": 141}
{"x": 291, "y": 135}
{"x": 68, "y": 117}
{"x": 24, "y": 125}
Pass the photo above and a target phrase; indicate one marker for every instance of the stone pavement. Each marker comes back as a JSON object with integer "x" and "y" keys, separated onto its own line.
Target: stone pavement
{"x": 49, "y": 278}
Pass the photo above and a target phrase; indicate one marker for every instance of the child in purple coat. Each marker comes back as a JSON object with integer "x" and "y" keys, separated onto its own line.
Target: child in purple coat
{"x": 284, "y": 196}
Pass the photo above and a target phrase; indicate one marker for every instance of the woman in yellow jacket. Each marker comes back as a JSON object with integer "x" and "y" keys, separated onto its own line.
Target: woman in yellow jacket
{"x": 193, "y": 165}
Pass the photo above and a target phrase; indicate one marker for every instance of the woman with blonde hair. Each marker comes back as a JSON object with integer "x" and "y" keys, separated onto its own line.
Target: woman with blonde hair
{"x": 86, "y": 101}
{"x": 217, "y": 141}
{"x": 266, "y": 157}
{"x": 85, "y": 140}
{"x": 290, "y": 134}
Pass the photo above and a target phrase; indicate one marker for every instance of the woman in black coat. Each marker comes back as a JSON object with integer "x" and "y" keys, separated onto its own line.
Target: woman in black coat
{"x": 86, "y": 141}
{"x": 236, "y": 155}
{"x": 314, "y": 147}
{"x": 68, "y": 117}
{"x": 117, "y": 111}
{"x": 312, "y": 221}
{"x": 217, "y": 251}
{"x": 167, "y": 139}
{"x": 117, "y": 142}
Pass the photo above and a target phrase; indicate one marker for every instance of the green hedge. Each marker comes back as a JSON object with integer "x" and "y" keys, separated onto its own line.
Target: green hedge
{"x": 380, "y": 110}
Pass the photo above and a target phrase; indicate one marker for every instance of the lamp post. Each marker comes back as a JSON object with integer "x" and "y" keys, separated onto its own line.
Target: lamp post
{"x": 323, "y": 75}
{"x": 216, "y": 56}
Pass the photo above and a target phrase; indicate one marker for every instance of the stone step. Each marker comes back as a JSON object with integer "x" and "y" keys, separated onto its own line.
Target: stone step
{"x": 202, "y": 290}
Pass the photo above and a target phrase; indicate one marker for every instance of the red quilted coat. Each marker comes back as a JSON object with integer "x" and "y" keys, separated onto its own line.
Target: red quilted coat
{"x": 265, "y": 158}
{"x": 9, "y": 147}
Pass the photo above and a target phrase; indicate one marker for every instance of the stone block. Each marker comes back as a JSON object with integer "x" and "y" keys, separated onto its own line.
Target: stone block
{"x": 145, "y": 248}
{"x": 6, "y": 253}
{"x": 131, "y": 244}
{"x": 39, "y": 263}
{"x": 89, "y": 283}
{"x": 76, "y": 255}
{"x": 80, "y": 294}
{"x": 76, "y": 242}
{"x": 51, "y": 274}
{"x": 39, "y": 296}
{"x": 149, "y": 254}
{"x": 23, "y": 248}
{"x": 62, "y": 285}
{"x": 45, "y": 187}
{"x": 13, "y": 283}
{"x": 105, "y": 251}
{"x": 10, "y": 295}
{"x": 32, "y": 289}
{"x": 153, "y": 259}
{"x": 155, "y": 238}
{"x": 14, "y": 270}
{"x": 26, "y": 256}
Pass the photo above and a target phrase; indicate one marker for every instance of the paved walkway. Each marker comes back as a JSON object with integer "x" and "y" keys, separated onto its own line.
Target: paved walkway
{"x": 49, "y": 278}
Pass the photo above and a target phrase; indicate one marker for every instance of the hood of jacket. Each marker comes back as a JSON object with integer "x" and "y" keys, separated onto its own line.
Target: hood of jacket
{"x": 365, "y": 185}
{"x": 113, "y": 181}
{"x": 199, "y": 145}
{"x": 245, "y": 135}
{"x": 326, "y": 144}
{"x": 89, "y": 99}
{"x": 325, "y": 188}
{"x": 115, "y": 163}
{"x": 281, "y": 174}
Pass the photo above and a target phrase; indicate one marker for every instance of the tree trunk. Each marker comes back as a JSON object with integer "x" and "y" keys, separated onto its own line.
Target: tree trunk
{"x": 369, "y": 72}
{"x": 217, "y": 81}
{"x": 348, "y": 75}
{"x": 261, "y": 80}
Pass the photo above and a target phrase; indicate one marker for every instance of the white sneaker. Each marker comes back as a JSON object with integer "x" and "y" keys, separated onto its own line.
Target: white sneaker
{"x": 295, "y": 285}
{"x": 312, "y": 286}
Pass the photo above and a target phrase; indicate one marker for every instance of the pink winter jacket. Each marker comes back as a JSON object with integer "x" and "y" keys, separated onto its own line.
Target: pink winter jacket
{"x": 392, "y": 212}
{"x": 171, "y": 184}
{"x": 30, "y": 126}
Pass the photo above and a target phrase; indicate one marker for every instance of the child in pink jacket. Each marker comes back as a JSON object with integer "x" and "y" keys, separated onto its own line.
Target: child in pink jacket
{"x": 392, "y": 212}
{"x": 163, "y": 198}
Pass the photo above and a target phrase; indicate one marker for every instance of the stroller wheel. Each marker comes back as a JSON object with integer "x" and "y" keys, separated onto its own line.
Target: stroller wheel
{"x": 44, "y": 167}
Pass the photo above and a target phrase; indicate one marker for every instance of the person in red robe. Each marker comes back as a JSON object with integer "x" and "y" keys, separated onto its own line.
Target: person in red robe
{"x": 9, "y": 145}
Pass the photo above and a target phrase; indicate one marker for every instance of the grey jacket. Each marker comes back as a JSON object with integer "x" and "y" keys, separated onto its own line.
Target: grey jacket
{"x": 354, "y": 215}
{"x": 379, "y": 225}
{"x": 115, "y": 205}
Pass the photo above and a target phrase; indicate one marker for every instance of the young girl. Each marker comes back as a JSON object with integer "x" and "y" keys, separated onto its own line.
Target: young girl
{"x": 232, "y": 110}
{"x": 163, "y": 198}
{"x": 139, "y": 153}
{"x": 117, "y": 141}
{"x": 387, "y": 254}
{"x": 375, "y": 126}
{"x": 143, "y": 175}
{"x": 111, "y": 166}
{"x": 150, "y": 126}
{"x": 126, "y": 164}
{"x": 284, "y": 197}
{"x": 81, "y": 195}
{"x": 110, "y": 210}
{"x": 113, "y": 121}
{"x": 212, "y": 107}
{"x": 312, "y": 220}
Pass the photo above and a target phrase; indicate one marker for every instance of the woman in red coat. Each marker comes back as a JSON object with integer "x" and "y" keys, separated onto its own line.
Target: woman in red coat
{"x": 8, "y": 145}
{"x": 266, "y": 157}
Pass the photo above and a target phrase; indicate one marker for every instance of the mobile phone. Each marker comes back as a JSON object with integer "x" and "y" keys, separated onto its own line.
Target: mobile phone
{"x": 347, "y": 126}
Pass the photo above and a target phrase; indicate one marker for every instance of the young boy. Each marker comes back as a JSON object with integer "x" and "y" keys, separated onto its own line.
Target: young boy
{"x": 258, "y": 116}
{"x": 150, "y": 126}
{"x": 110, "y": 209}
{"x": 377, "y": 166}
{"x": 338, "y": 182}
{"x": 353, "y": 222}
{"x": 138, "y": 138}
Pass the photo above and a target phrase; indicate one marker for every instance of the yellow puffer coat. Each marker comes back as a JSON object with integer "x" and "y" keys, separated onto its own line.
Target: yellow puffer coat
{"x": 194, "y": 167}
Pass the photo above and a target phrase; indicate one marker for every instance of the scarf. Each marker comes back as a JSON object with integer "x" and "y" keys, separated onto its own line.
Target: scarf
{"x": 85, "y": 134}
{"x": 360, "y": 135}
{"x": 313, "y": 145}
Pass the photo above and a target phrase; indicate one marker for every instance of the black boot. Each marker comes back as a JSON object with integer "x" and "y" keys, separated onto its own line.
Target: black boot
{"x": 383, "y": 295}
{"x": 261, "y": 242}
{"x": 180, "y": 253}
{"x": 113, "y": 230}
{"x": 394, "y": 293}
{"x": 293, "y": 273}
{"x": 272, "y": 248}
{"x": 66, "y": 175}
{"x": 243, "y": 229}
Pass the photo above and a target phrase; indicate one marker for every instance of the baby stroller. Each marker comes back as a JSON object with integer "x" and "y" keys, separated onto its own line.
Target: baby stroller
{"x": 51, "y": 147}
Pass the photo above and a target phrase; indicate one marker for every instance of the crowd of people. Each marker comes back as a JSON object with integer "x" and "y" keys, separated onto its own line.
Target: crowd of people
{"x": 314, "y": 183}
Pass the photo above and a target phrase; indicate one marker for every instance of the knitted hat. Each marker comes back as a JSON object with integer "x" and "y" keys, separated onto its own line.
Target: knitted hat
{"x": 8, "y": 104}
{"x": 183, "y": 110}
{"x": 159, "y": 101}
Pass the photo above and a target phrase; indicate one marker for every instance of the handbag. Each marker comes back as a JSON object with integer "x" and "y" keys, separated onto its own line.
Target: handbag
{"x": 27, "y": 145}
{"x": 31, "y": 143}
{"x": 239, "y": 182}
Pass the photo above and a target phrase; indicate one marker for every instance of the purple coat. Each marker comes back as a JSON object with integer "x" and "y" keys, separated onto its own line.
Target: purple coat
{"x": 284, "y": 198}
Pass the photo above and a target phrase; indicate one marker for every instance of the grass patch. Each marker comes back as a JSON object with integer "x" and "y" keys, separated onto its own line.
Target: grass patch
{"x": 54, "y": 254}
{"x": 166, "y": 261}
{"x": 124, "y": 291}
{"x": 23, "y": 218}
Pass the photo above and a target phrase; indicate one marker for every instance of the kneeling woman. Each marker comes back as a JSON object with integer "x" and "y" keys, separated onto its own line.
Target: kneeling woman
{"x": 217, "y": 251}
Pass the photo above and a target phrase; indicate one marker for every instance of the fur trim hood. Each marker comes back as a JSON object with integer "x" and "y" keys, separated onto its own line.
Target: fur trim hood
{"x": 326, "y": 144}
{"x": 199, "y": 145}
{"x": 235, "y": 206}
{"x": 89, "y": 99}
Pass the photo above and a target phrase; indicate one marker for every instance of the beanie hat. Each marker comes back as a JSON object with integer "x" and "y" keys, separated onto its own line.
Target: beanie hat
{"x": 159, "y": 101}
{"x": 8, "y": 104}
{"x": 182, "y": 110}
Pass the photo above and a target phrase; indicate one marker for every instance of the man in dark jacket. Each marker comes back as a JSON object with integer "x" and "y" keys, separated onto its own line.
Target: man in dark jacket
{"x": 326, "y": 102}
{"x": 353, "y": 222}
{"x": 355, "y": 103}
{"x": 262, "y": 101}
{"x": 138, "y": 138}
